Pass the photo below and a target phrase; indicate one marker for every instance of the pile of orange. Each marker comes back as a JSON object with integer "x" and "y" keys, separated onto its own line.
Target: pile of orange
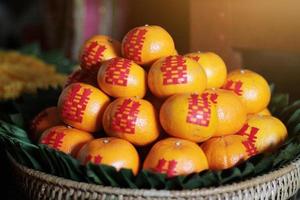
{"x": 141, "y": 92}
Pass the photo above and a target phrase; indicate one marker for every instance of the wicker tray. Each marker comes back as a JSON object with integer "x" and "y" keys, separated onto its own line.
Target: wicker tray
{"x": 279, "y": 184}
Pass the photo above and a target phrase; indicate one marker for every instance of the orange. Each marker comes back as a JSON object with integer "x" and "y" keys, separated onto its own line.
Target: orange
{"x": 82, "y": 106}
{"x": 224, "y": 152}
{"x": 84, "y": 76}
{"x": 174, "y": 156}
{"x": 120, "y": 77}
{"x": 66, "y": 139}
{"x": 231, "y": 111}
{"x": 45, "y": 119}
{"x": 264, "y": 112}
{"x": 251, "y": 87}
{"x": 176, "y": 74}
{"x": 145, "y": 44}
{"x": 98, "y": 49}
{"x": 214, "y": 67}
{"x": 132, "y": 119}
{"x": 111, "y": 151}
{"x": 189, "y": 116}
{"x": 262, "y": 133}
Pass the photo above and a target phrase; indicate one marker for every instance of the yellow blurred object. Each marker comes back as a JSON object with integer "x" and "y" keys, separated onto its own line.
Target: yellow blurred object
{"x": 25, "y": 74}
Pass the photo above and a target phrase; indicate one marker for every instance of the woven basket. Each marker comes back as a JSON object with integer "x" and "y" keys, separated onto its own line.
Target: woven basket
{"x": 279, "y": 184}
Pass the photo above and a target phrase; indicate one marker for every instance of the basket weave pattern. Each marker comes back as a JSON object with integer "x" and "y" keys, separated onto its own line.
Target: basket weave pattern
{"x": 279, "y": 184}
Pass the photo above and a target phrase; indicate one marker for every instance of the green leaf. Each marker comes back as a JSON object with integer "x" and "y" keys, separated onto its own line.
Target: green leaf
{"x": 58, "y": 59}
{"x": 31, "y": 49}
{"x": 278, "y": 103}
{"x": 105, "y": 173}
{"x": 13, "y": 131}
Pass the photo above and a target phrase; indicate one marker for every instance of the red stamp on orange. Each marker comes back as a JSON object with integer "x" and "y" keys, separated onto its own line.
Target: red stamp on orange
{"x": 174, "y": 70}
{"x": 37, "y": 120}
{"x": 75, "y": 103}
{"x": 213, "y": 97}
{"x": 134, "y": 44}
{"x": 94, "y": 159}
{"x": 54, "y": 139}
{"x": 92, "y": 54}
{"x": 168, "y": 167}
{"x": 235, "y": 86}
{"x": 117, "y": 72}
{"x": 195, "y": 58}
{"x": 199, "y": 111}
{"x": 250, "y": 133}
{"x": 126, "y": 116}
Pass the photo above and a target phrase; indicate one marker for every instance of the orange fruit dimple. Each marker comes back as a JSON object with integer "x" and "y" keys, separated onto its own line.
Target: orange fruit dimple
{"x": 173, "y": 157}
{"x": 110, "y": 151}
{"x": 65, "y": 139}
{"x": 224, "y": 152}
{"x": 176, "y": 74}
{"x": 145, "y": 44}
{"x": 262, "y": 133}
{"x": 189, "y": 116}
{"x": 82, "y": 106}
{"x": 98, "y": 49}
{"x": 132, "y": 119}
{"x": 214, "y": 67}
{"x": 47, "y": 118}
{"x": 120, "y": 77}
{"x": 251, "y": 87}
{"x": 231, "y": 112}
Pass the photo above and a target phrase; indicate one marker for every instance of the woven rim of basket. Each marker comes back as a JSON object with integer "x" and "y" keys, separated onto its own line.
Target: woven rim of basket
{"x": 241, "y": 185}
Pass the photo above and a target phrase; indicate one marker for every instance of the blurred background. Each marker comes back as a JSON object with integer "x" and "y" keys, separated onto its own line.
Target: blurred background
{"x": 261, "y": 35}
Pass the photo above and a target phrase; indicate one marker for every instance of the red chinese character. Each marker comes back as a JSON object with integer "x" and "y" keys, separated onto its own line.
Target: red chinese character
{"x": 54, "y": 139}
{"x": 94, "y": 159}
{"x": 117, "y": 71}
{"x": 211, "y": 96}
{"x": 174, "y": 70}
{"x": 92, "y": 55}
{"x": 196, "y": 58}
{"x": 75, "y": 103}
{"x": 37, "y": 120}
{"x": 235, "y": 86}
{"x": 125, "y": 118}
{"x": 251, "y": 139}
{"x": 167, "y": 167}
{"x": 199, "y": 111}
{"x": 133, "y": 44}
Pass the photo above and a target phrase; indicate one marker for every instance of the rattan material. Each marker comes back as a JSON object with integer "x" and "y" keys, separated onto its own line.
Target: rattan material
{"x": 279, "y": 184}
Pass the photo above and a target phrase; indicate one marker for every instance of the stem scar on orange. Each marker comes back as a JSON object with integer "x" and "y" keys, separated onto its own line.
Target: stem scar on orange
{"x": 111, "y": 151}
{"x": 251, "y": 87}
{"x": 98, "y": 49}
{"x": 65, "y": 139}
{"x": 231, "y": 112}
{"x": 120, "y": 77}
{"x": 262, "y": 133}
{"x": 189, "y": 116}
{"x": 132, "y": 119}
{"x": 82, "y": 106}
{"x": 214, "y": 67}
{"x": 176, "y": 74}
{"x": 145, "y": 44}
{"x": 174, "y": 156}
{"x": 47, "y": 118}
{"x": 224, "y": 152}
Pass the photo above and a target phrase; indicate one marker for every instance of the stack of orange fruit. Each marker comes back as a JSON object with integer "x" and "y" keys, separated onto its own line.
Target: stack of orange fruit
{"x": 194, "y": 115}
